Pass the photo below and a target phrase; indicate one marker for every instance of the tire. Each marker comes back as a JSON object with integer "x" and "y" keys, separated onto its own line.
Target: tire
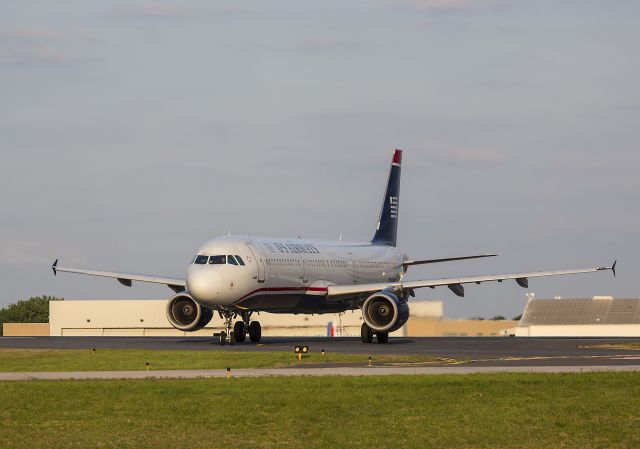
{"x": 239, "y": 331}
{"x": 232, "y": 338}
{"x": 255, "y": 331}
{"x": 366, "y": 334}
{"x": 382, "y": 337}
{"x": 223, "y": 338}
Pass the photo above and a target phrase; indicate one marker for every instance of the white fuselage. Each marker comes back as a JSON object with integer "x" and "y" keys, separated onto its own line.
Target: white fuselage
{"x": 285, "y": 275}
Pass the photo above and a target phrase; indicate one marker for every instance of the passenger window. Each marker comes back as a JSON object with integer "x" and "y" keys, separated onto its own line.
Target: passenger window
{"x": 232, "y": 260}
{"x": 239, "y": 259}
{"x": 217, "y": 260}
{"x": 200, "y": 260}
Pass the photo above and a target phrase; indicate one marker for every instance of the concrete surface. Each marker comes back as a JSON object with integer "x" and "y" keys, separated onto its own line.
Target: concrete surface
{"x": 341, "y": 371}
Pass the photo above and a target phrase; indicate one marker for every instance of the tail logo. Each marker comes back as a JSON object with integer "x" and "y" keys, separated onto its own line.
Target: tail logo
{"x": 393, "y": 202}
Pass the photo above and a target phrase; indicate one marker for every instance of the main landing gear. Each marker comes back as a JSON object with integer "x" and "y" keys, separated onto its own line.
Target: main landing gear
{"x": 240, "y": 328}
{"x": 366, "y": 334}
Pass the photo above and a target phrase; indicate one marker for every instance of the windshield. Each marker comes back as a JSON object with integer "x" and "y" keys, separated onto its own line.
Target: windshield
{"x": 217, "y": 260}
{"x": 200, "y": 260}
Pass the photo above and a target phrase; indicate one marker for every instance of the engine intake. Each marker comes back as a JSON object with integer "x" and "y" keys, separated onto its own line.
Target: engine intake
{"x": 384, "y": 312}
{"x": 185, "y": 314}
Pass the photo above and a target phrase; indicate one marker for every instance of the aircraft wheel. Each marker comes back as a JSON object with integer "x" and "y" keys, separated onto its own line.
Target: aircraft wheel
{"x": 232, "y": 338}
{"x": 382, "y": 337}
{"x": 255, "y": 331}
{"x": 223, "y": 338}
{"x": 239, "y": 331}
{"x": 366, "y": 333}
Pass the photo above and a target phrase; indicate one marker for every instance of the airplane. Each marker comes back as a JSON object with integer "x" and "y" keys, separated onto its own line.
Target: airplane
{"x": 237, "y": 276}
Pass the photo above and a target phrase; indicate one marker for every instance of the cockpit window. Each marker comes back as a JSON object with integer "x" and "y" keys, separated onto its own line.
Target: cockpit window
{"x": 232, "y": 260}
{"x": 200, "y": 259}
{"x": 240, "y": 260}
{"x": 217, "y": 260}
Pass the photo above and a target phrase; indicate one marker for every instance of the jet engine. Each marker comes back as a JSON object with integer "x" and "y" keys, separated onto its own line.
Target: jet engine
{"x": 185, "y": 314}
{"x": 385, "y": 312}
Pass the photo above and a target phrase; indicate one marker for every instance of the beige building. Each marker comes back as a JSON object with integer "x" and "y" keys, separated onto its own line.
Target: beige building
{"x": 430, "y": 327}
{"x": 600, "y": 316}
{"x": 148, "y": 318}
{"x": 25, "y": 329}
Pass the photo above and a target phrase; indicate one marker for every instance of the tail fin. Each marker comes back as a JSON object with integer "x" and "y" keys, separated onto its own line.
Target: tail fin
{"x": 388, "y": 223}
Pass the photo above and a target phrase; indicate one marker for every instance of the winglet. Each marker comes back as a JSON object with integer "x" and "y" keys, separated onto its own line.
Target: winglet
{"x": 612, "y": 268}
{"x": 54, "y": 267}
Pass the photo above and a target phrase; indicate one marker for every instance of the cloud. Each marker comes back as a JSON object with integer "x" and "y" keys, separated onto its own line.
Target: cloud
{"x": 448, "y": 5}
{"x": 312, "y": 44}
{"x": 38, "y": 56}
{"x": 326, "y": 43}
{"x": 25, "y": 252}
{"x": 47, "y": 34}
{"x": 468, "y": 156}
{"x": 39, "y": 46}
{"x": 153, "y": 11}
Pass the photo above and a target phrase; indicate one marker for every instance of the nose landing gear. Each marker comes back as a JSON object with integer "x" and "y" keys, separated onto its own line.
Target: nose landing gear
{"x": 227, "y": 336}
{"x": 240, "y": 328}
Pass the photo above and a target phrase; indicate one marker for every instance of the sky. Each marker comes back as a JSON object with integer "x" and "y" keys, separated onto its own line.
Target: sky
{"x": 133, "y": 131}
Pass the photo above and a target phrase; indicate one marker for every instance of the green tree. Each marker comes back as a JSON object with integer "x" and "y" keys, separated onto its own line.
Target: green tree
{"x": 498, "y": 318}
{"x": 32, "y": 310}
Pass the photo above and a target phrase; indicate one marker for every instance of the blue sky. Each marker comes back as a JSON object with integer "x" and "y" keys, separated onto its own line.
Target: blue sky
{"x": 131, "y": 132}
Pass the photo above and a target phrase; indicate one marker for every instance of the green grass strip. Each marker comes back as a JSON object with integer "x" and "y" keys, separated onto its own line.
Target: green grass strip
{"x": 13, "y": 360}
{"x": 591, "y": 410}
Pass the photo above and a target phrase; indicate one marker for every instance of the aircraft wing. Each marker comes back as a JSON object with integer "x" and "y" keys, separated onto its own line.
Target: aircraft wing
{"x": 455, "y": 284}
{"x": 175, "y": 284}
{"x": 408, "y": 263}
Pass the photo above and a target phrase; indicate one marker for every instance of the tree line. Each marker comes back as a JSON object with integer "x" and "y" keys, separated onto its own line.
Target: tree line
{"x": 32, "y": 310}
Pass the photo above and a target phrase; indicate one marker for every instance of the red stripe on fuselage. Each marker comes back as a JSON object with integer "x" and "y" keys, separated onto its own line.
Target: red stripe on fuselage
{"x": 284, "y": 289}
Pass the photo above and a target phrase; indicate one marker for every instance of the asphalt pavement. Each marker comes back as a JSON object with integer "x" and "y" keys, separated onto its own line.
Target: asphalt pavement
{"x": 476, "y": 351}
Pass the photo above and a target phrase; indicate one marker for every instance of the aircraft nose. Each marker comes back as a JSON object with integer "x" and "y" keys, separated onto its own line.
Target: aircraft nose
{"x": 202, "y": 282}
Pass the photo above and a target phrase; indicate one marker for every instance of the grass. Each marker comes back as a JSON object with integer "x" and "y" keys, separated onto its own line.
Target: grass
{"x": 12, "y": 360}
{"x": 591, "y": 410}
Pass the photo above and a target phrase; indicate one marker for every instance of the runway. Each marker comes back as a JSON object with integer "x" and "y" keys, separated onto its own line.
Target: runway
{"x": 502, "y": 352}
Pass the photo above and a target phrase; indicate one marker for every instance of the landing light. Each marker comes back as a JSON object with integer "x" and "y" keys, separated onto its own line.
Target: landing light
{"x": 299, "y": 350}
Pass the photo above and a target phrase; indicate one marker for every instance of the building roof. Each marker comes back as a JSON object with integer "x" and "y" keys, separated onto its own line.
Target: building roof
{"x": 596, "y": 310}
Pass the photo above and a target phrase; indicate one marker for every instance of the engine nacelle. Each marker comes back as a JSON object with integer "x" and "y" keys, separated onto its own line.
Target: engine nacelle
{"x": 384, "y": 312}
{"x": 185, "y": 314}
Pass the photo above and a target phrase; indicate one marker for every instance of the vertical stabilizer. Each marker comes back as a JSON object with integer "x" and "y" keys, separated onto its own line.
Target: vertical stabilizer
{"x": 387, "y": 229}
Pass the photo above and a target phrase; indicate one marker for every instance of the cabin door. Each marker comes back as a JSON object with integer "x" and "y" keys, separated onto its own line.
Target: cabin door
{"x": 257, "y": 255}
